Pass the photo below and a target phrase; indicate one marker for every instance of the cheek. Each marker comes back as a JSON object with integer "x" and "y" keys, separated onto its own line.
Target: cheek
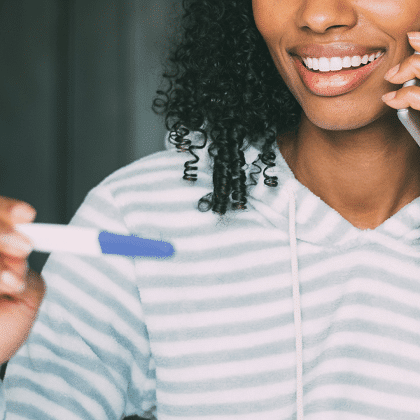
{"x": 261, "y": 16}
{"x": 395, "y": 17}
{"x": 267, "y": 17}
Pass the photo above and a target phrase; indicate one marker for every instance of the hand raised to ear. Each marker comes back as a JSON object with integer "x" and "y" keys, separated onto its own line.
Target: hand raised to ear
{"x": 408, "y": 96}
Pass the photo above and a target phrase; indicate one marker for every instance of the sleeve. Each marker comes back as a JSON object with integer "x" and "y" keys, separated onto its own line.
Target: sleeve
{"x": 88, "y": 355}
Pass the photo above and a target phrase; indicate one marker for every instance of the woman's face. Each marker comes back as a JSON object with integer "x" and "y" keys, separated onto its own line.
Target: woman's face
{"x": 341, "y": 99}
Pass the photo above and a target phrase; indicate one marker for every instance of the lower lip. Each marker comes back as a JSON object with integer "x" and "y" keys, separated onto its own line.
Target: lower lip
{"x": 335, "y": 83}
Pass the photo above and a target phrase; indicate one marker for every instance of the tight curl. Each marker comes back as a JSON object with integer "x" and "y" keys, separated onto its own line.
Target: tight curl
{"x": 223, "y": 83}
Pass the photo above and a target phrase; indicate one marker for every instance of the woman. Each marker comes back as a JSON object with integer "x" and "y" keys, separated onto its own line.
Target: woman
{"x": 297, "y": 296}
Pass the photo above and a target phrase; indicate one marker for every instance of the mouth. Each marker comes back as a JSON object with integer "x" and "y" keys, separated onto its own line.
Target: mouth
{"x": 336, "y": 76}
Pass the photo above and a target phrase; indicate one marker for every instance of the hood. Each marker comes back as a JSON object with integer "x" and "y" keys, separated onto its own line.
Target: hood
{"x": 319, "y": 224}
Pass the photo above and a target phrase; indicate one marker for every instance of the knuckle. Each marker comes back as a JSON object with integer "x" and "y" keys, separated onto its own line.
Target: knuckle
{"x": 16, "y": 211}
{"x": 15, "y": 245}
{"x": 10, "y": 282}
{"x": 23, "y": 212}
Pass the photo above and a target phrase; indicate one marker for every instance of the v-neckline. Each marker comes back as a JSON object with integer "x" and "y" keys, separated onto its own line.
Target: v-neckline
{"x": 316, "y": 221}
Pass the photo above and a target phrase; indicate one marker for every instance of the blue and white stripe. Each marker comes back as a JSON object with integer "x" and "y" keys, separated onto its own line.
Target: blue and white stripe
{"x": 209, "y": 334}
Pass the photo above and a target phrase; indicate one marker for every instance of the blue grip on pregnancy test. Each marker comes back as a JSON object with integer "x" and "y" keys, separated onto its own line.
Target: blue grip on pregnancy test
{"x": 132, "y": 246}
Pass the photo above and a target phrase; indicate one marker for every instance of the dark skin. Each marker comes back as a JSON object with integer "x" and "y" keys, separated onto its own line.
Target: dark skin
{"x": 350, "y": 149}
{"x": 365, "y": 186}
{"x": 21, "y": 289}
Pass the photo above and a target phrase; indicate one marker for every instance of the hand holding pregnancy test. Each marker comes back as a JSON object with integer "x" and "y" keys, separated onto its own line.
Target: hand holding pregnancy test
{"x": 21, "y": 289}
{"x": 89, "y": 241}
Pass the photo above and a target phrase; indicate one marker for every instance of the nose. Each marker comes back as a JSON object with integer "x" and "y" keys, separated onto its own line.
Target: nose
{"x": 326, "y": 15}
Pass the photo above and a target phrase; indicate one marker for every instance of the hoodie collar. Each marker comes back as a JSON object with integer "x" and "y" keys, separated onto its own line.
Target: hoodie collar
{"x": 318, "y": 223}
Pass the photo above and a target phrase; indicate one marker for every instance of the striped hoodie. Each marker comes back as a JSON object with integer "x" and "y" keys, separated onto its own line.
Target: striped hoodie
{"x": 284, "y": 311}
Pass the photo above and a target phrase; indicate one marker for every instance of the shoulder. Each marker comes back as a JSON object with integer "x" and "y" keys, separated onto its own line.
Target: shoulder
{"x": 154, "y": 185}
{"x": 161, "y": 168}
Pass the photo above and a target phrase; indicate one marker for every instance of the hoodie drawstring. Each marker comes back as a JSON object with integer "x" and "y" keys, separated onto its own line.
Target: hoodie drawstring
{"x": 296, "y": 304}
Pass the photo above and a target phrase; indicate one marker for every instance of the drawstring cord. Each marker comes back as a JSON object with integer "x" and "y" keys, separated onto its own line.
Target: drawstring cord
{"x": 296, "y": 305}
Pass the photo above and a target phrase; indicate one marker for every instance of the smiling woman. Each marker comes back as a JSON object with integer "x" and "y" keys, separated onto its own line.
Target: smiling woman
{"x": 346, "y": 131}
{"x": 326, "y": 76}
{"x": 298, "y": 295}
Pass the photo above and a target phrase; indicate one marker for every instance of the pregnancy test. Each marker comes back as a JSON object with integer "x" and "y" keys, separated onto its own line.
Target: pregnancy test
{"x": 47, "y": 237}
{"x": 409, "y": 117}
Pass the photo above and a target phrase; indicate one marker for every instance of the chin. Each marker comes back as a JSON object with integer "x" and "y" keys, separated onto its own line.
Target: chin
{"x": 342, "y": 121}
{"x": 336, "y": 126}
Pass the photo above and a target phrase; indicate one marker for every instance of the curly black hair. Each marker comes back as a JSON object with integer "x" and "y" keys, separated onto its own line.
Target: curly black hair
{"x": 223, "y": 83}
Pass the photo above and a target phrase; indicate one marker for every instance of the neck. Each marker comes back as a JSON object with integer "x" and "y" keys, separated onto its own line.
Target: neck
{"x": 367, "y": 174}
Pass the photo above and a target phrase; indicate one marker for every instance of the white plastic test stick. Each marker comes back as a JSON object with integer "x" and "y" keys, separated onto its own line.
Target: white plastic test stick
{"x": 47, "y": 237}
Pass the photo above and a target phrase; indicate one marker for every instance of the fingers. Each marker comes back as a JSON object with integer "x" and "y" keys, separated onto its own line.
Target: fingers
{"x": 13, "y": 275}
{"x": 14, "y": 251}
{"x": 14, "y": 211}
{"x": 19, "y": 266}
{"x": 406, "y": 97}
{"x": 409, "y": 69}
{"x": 18, "y": 313}
{"x": 21, "y": 289}
{"x": 13, "y": 243}
{"x": 14, "y": 247}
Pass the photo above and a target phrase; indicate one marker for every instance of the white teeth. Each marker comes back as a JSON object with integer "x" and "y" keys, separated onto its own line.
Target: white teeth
{"x": 346, "y": 62}
{"x": 337, "y": 63}
{"x": 356, "y": 61}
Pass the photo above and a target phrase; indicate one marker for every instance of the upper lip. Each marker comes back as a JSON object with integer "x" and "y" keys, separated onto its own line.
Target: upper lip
{"x": 333, "y": 50}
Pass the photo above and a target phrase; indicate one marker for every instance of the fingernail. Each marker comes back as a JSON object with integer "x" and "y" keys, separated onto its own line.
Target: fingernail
{"x": 24, "y": 212}
{"x": 12, "y": 282}
{"x": 414, "y": 35}
{"x": 389, "y": 96}
{"x": 392, "y": 72}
